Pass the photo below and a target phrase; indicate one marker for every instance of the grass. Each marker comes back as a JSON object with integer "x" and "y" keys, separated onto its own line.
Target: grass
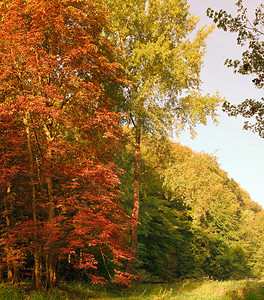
{"x": 188, "y": 289}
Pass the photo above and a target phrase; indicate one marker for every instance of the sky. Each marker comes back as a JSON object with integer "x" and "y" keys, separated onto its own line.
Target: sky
{"x": 240, "y": 153}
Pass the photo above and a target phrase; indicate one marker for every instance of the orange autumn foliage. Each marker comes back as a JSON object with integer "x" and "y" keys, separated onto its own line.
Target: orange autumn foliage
{"x": 58, "y": 136}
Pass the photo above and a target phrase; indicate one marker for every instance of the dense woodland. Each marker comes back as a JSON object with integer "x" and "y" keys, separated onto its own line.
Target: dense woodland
{"x": 92, "y": 188}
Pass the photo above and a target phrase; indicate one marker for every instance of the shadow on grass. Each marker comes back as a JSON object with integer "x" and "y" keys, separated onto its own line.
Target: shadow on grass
{"x": 188, "y": 289}
{"x": 26, "y": 291}
{"x": 252, "y": 290}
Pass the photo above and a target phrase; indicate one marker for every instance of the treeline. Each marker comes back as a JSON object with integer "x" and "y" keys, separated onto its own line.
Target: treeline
{"x": 91, "y": 188}
{"x": 195, "y": 220}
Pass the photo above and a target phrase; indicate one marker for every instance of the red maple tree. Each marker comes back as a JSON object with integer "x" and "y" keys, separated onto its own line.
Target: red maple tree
{"x": 58, "y": 136}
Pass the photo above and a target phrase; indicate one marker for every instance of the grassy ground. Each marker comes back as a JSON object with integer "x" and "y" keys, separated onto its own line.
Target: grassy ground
{"x": 188, "y": 289}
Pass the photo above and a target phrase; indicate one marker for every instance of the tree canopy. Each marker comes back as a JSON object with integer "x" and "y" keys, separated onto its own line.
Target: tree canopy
{"x": 58, "y": 181}
{"x": 70, "y": 101}
{"x": 195, "y": 220}
{"x": 164, "y": 65}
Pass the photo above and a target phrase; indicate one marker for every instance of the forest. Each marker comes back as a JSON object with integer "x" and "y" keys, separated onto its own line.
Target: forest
{"x": 93, "y": 189}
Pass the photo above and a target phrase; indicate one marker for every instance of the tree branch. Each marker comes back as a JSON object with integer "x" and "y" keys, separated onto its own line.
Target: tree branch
{"x": 149, "y": 170}
{"x": 131, "y": 117}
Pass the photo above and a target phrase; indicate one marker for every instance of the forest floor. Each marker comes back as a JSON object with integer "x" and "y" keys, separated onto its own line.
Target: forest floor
{"x": 189, "y": 289}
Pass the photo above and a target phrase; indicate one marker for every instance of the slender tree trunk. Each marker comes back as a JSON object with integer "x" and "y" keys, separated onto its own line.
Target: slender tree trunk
{"x": 51, "y": 271}
{"x": 135, "y": 213}
{"x": 37, "y": 263}
{"x": 1, "y": 272}
{"x": 7, "y": 220}
{"x": 51, "y": 268}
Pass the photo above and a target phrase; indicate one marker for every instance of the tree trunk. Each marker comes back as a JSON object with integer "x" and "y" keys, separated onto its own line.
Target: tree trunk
{"x": 7, "y": 220}
{"x": 37, "y": 266}
{"x": 1, "y": 272}
{"x": 37, "y": 271}
{"x": 9, "y": 274}
{"x": 15, "y": 277}
{"x": 135, "y": 213}
{"x": 51, "y": 271}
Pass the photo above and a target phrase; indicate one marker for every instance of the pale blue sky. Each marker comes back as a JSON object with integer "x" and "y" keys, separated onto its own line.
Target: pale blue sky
{"x": 240, "y": 152}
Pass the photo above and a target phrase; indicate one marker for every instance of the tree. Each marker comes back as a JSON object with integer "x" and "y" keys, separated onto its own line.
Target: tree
{"x": 164, "y": 65}
{"x": 194, "y": 220}
{"x": 250, "y": 34}
{"x": 58, "y": 136}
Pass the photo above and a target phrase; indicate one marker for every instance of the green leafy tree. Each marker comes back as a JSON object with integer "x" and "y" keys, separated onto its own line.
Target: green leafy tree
{"x": 164, "y": 66}
{"x": 165, "y": 240}
{"x": 194, "y": 219}
{"x": 217, "y": 201}
{"x": 253, "y": 235}
{"x": 250, "y": 34}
